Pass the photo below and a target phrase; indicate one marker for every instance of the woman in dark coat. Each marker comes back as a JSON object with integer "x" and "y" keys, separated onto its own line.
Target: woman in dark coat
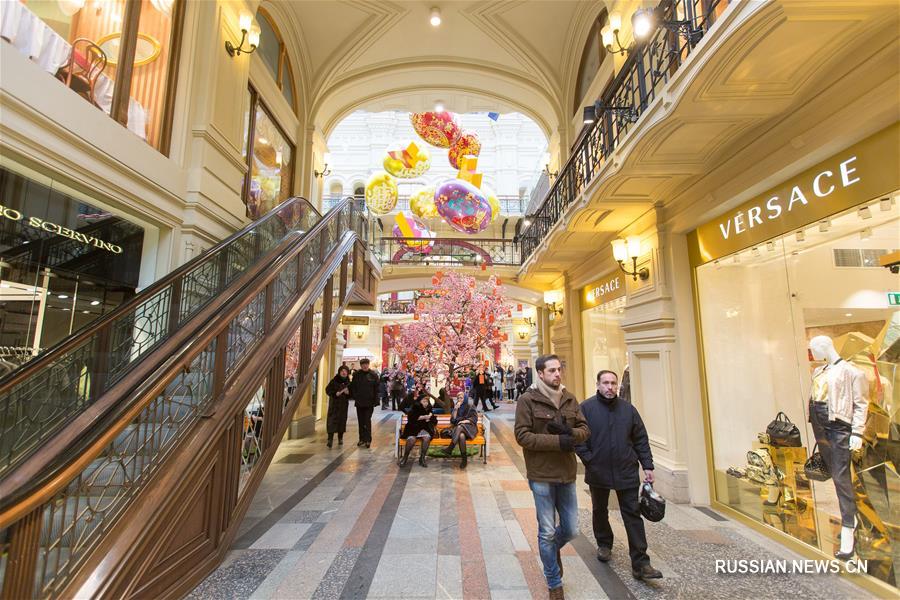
{"x": 420, "y": 425}
{"x": 464, "y": 419}
{"x": 338, "y": 391}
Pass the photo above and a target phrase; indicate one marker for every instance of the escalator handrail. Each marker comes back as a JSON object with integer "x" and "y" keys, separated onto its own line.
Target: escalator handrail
{"x": 72, "y": 341}
{"x": 49, "y": 472}
{"x": 42, "y": 366}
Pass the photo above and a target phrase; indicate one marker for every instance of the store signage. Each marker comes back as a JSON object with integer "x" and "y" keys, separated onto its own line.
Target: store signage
{"x": 603, "y": 290}
{"x": 894, "y": 298}
{"x": 861, "y": 173}
{"x": 348, "y": 320}
{"x": 49, "y": 227}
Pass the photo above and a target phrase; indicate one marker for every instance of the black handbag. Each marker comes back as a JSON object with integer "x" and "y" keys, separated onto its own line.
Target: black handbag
{"x": 783, "y": 433}
{"x": 815, "y": 467}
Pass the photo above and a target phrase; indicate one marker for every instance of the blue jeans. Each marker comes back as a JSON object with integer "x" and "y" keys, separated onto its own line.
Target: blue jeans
{"x": 550, "y": 499}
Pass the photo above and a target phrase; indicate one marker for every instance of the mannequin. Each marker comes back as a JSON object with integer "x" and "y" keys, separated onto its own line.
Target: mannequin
{"x": 837, "y": 411}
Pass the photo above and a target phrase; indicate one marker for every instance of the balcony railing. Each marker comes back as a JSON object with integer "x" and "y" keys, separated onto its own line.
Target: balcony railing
{"x": 649, "y": 66}
{"x": 448, "y": 251}
{"x": 509, "y": 205}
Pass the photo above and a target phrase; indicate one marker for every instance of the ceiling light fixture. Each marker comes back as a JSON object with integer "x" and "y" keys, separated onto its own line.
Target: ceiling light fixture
{"x": 848, "y": 314}
{"x": 438, "y": 106}
{"x": 435, "y": 16}
{"x": 95, "y": 302}
{"x": 62, "y": 296}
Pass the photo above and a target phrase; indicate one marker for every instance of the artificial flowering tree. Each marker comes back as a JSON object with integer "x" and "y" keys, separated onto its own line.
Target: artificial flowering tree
{"x": 455, "y": 326}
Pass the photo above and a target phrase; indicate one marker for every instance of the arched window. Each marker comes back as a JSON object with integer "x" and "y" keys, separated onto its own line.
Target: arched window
{"x": 273, "y": 52}
{"x": 591, "y": 58}
{"x": 359, "y": 189}
{"x": 336, "y": 189}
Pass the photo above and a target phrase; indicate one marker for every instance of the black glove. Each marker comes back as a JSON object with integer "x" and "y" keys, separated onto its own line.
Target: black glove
{"x": 558, "y": 428}
{"x": 566, "y": 443}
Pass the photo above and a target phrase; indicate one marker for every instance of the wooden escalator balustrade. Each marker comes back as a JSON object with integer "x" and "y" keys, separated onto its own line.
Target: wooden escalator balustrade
{"x": 151, "y": 501}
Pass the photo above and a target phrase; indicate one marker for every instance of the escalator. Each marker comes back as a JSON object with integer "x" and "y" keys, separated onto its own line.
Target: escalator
{"x": 130, "y": 451}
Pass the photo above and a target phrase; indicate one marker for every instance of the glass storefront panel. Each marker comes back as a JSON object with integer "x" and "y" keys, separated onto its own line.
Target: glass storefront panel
{"x": 63, "y": 264}
{"x": 271, "y": 163}
{"x": 150, "y": 73}
{"x": 604, "y": 343}
{"x": 79, "y": 42}
{"x": 759, "y": 309}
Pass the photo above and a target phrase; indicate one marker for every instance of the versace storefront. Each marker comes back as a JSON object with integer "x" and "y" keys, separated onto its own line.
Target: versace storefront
{"x": 602, "y": 310}
{"x": 799, "y": 345}
{"x": 64, "y": 262}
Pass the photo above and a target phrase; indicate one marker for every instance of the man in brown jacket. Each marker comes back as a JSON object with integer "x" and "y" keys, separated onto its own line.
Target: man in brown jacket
{"x": 549, "y": 423}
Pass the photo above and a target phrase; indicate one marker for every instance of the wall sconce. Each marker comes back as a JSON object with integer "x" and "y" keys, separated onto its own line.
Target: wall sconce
{"x": 359, "y": 332}
{"x": 551, "y": 175}
{"x": 630, "y": 248}
{"x": 251, "y": 36}
{"x": 325, "y": 172}
{"x": 553, "y": 299}
{"x": 531, "y": 322}
{"x": 629, "y": 113}
{"x": 610, "y": 34}
{"x": 645, "y": 20}
{"x": 522, "y": 333}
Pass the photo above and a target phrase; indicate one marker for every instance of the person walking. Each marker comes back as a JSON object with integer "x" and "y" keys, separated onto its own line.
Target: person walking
{"x": 338, "y": 392}
{"x": 549, "y": 424}
{"x": 464, "y": 419}
{"x": 520, "y": 382}
{"x": 617, "y": 444}
{"x": 398, "y": 388}
{"x": 510, "y": 383}
{"x": 497, "y": 377}
{"x": 420, "y": 425}
{"x": 364, "y": 391}
{"x": 383, "y": 381}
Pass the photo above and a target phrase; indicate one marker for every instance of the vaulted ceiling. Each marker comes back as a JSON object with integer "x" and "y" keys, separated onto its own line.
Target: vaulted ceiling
{"x": 485, "y": 55}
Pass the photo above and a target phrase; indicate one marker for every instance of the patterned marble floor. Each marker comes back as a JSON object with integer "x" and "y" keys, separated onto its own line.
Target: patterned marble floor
{"x": 348, "y": 523}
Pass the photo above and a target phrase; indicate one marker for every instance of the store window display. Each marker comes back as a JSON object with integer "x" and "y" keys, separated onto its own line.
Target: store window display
{"x": 63, "y": 264}
{"x": 603, "y": 307}
{"x": 801, "y": 325}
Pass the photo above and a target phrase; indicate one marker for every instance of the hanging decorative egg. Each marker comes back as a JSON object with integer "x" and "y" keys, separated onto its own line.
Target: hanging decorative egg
{"x": 463, "y": 206}
{"x": 437, "y": 128}
{"x": 467, "y": 144}
{"x": 381, "y": 193}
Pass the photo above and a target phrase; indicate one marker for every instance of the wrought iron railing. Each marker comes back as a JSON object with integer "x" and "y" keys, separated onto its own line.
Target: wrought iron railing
{"x": 649, "y": 66}
{"x": 448, "y": 251}
{"x": 509, "y": 205}
{"x": 57, "y": 535}
{"x": 398, "y": 307}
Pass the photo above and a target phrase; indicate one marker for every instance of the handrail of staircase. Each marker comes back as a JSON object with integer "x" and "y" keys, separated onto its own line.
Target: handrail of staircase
{"x": 45, "y": 473}
{"x": 61, "y": 383}
{"x": 649, "y": 66}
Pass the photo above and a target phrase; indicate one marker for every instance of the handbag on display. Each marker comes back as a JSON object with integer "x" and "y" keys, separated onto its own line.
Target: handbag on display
{"x": 783, "y": 433}
{"x": 815, "y": 467}
{"x": 761, "y": 469}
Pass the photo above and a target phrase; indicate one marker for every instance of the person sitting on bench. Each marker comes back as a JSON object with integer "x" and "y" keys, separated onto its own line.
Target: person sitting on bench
{"x": 420, "y": 424}
{"x": 464, "y": 419}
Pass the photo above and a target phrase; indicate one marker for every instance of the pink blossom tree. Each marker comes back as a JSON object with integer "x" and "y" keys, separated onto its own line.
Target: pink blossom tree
{"x": 459, "y": 323}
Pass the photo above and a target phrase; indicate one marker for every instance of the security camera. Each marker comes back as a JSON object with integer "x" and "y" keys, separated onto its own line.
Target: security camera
{"x": 891, "y": 262}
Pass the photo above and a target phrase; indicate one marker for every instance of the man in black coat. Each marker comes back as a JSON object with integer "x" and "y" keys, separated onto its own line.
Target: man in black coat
{"x": 618, "y": 443}
{"x": 364, "y": 390}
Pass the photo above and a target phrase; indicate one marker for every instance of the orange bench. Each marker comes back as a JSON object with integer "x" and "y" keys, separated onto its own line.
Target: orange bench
{"x": 483, "y": 439}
